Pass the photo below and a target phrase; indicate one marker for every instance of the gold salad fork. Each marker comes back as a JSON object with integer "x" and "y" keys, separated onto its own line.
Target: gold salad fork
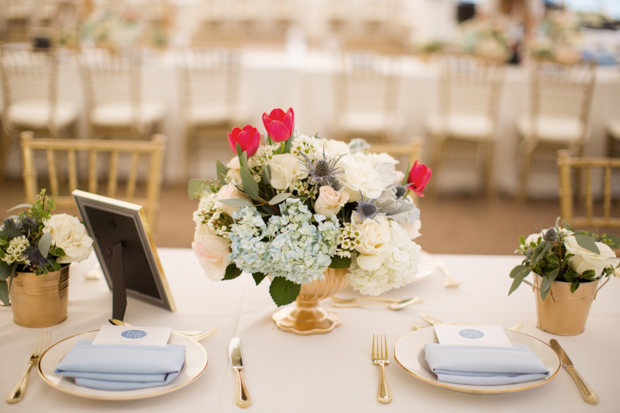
{"x": 42, "y": 343}
{"x": 380, "y": 357}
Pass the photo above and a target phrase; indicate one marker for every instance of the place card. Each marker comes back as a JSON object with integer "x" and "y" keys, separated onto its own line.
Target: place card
{"x": 132, "y": 335}
{"x": 471, "y": 335}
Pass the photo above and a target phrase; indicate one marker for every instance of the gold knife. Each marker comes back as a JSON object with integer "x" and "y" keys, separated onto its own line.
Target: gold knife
{"x": 431, "y": 320}
{"x": 586, "y": 392}
{"x": 243, "y": 396}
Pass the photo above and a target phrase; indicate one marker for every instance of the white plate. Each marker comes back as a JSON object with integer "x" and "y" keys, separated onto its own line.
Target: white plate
{"x": 195, "y": 363}
{"x": 409, "y": 353}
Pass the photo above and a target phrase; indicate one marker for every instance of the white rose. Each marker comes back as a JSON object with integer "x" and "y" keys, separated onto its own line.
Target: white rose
{"x": 229, "y": 191}
{"x": 234, "y": 170}
{"x": 213, "y": 254}
{"x": 360, "y": 175}
{"x": 286, "y": 169}
{"x": 413, "y": 230}
{"x": 533, "y": 238}
{"x": 585, "y": 260}
{"x": 330, "y": 201}
{"x": 332, "y": 148}
{"x": 374, "y": 246}
{"x": 69, "y": 234}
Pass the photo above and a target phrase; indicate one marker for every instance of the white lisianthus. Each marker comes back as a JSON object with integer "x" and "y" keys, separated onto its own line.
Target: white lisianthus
{"x": 360, "y": 175}
{"x": 374, "y": 246}
{"x": 330, "y": 201}
{"x": 69, "y": 234}
{"x": 229, "y": 191}
{"x": 286, "y": 169}
{"x": 585, "y": 260}
{"x": 234, "y": 170}
{"x": 213, "y": 252}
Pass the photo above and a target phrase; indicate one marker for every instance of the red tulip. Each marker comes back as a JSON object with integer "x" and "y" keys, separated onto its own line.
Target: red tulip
{"x": 248, "y": 138}
{"x": 279, "y": 125}
{"x": 419, "y": 175}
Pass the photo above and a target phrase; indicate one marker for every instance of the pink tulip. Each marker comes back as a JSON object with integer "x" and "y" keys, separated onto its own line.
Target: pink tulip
{"x": 279, "y": 125}
{"x": 248, "y": 138}
{"x": 419, "y": 175}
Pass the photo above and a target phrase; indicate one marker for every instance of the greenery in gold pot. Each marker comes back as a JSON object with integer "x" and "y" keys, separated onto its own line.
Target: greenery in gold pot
{"x": 560, "y": 253}
{"x": 39, "y": 242}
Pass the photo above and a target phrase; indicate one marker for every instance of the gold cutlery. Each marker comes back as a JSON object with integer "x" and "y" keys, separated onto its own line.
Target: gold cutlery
{"x": 586, "y": 391}
{"x": 449, "y": 281}
{"x": 392, "y": 303}
{"x": 243, "y": 396}
{"x": 42, "y": 343}
{"x": 196, "y": 335}
{"x": 380, "y": 357}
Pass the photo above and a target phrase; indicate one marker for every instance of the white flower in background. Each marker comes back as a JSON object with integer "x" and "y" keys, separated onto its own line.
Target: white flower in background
{"x": 69, "y": 234}
{"x": 229, "y": 191}
{"x": 234, "y": 170}
{"x": 330, "y": 201}
{"x": 360, "y": 175}
{"x": 17, "y": 247}
{"x": 374, "y": 246}
{"x": 213, "y": 253}
{"x": 398, "y": 269}
{"x": 585, "y": 260}
{"x": 286, "y": 169}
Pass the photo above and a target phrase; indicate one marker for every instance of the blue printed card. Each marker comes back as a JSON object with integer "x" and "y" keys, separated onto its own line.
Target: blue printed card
{"x": 132, "y": 335}
{"x": 471, "y": 335}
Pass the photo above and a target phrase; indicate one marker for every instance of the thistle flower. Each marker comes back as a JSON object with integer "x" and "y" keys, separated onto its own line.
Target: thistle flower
{"x": 366, "y": 208}
{"x": 36, "y": 258}
{"x": 551, "y": 235}
{"x": 27, "y": 224}
{"x": 322, "y": 171}
{"x": 401, "y": 191}
{"x": 9, "y": 223}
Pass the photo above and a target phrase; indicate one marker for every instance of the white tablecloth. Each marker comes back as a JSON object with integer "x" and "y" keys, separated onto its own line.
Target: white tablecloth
{"x": 331, "y": 372}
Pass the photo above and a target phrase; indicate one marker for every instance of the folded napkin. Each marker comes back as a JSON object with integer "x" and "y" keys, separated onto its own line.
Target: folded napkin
{"x": 484, "y": 365}
{"x": 122, "y": 367}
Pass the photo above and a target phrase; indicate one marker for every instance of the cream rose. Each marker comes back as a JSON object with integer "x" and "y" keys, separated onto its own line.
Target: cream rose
{"x": 332, "y": 148}
{"x": 374, "y": 246}
{"x": 413, "y": 230}
{"x": 234, "y": 170}
{"x": 213, "y": 254}
{"x": 330, "y": 201}
{"x": 360, "y": 176}
{"x": 69, "y": 234}
{"x": 229, "y": 191}
{"x": 585, "y": 260}
{"x": 285, "y": 169}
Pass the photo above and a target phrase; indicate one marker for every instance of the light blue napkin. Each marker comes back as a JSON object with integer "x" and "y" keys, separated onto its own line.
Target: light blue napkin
{"x": 122, "y": 367}
{"x": 484, "y": 365}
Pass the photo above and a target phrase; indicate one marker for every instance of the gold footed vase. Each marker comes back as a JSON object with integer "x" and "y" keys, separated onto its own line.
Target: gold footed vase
{"x": 307, "y": 316}
{"x": 40, "y": 300}
{"x": 564, "y": 313}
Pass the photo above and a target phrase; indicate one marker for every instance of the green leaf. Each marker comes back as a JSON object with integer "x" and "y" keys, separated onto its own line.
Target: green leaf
{"x": 232, "y": 272}
{"x": 588, "y": 243}
{"x": 279, "y": 198}
{"x": 250, "y": 186}
{"x": 406, "y": 177}
{"x": 537, "y": 253}
{"x": 236, "y": 202}
{"x": 574, "y": 286}
{"x": 545, "y": 250}
{"x": 589, "y": 274}
{"x": 258, "y": 277}
{"x": 20, "y": 206}
{"x": 266, "y": 175}
{"x": 553, "y": 260}
{"x": 522, "y": 240}
{"x": 546, "y": 283}
{"x": 239, "y": 150}
{"x": 518, "y": 273}
{"x": 288, "y": 145}
{"x": 338, "y": 262}
{"x": 283, "y": 291}
{"x": 614, "y": 239}
{"x": 567, "y": 226}
{"x": 222, "y": 170}
{"x": 194, "y": 188}
{"x": 4, "y": 293}
{"x": 59, "y": 252}
{"x": 243, "y": 159}
{"x": 5, "y": 271}
{"x": 44, "y": 244}
{"x": 10, "y": 233}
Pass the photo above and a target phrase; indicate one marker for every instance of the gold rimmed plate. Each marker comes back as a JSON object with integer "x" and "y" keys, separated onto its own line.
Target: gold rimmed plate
{"x": 409, "y": 354}
{"x": 195, "y": 363}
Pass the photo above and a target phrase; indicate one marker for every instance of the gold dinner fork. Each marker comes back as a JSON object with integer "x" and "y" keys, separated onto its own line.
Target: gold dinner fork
{"x": 42, "y": 343}
{"x": 380, "y": 357}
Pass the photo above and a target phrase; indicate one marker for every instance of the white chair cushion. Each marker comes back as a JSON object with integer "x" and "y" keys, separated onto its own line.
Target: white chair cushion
{"x": 614, "y": 128}
{"x": 207, "y": 115}
{"x": 119, "y": 114}
{"x": 466, "y": 127}
{"x": 35, "y": 113}
{"x": 552, "y": 130}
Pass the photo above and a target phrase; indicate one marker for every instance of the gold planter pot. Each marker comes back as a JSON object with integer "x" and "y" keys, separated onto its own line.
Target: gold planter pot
{"x": 40, "y": 300}
{"x": 307, "y": 316}
{"x": 564, "y": 313}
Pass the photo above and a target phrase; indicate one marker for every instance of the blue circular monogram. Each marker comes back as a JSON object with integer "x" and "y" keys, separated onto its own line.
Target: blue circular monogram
{"x": 133, "y": 334}
{"x": 471, "y": 334}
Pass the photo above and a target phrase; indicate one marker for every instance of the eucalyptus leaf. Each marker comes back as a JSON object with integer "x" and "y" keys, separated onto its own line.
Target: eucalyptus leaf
{"x": 4, "y": 293}
{"x": 44, "y": 244}
{"x": 518, "y": 273}
{"x": 614, "y": 239}
{"x": 194, "y": 188}
{"x": 538, "y": 250}
{"x": 236, "y": 202}
{"x": 546, "y": 283}
{"x": 279, "y": 198}
{"x": 250, "y": 186}
{"x": 522, "y": 240}
{"x": 5, "y": 271}
{"x": 258, "y": 277}
{"x": 20, "y": 206}
{"x": 588, "y": 243}
{"x": 338, "y": 262}
{"x": 10, "y": 233}
{"x": 567, "y": 226}
{"x": 544, "y": 252}
{"x": 232, "y": 272}
{"x": 266, "y": 175}
{"x": 283, "y": 291}
{"x": 243, "y": 159}
{"x": 222, "y": 170}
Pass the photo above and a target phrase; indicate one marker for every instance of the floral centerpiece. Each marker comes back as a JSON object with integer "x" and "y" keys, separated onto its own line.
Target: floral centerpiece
{"x": 37, "y": 241}
{"x": 486, "y": 38}
{"x": 290, "y": 206}
{"x": 558, "y": 38}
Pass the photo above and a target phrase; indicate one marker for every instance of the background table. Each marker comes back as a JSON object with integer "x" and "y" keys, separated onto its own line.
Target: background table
{"x": 331, "y": 372}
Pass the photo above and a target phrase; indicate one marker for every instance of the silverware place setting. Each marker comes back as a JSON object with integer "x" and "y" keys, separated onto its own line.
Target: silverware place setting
{"x": 587, "y": 393}
{"x": 43, "y": 342}
{"x": 381, "y": 358}
{"x": 394, "y": 304}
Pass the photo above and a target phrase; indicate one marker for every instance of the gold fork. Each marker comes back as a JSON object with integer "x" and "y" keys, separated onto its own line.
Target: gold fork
{"x": 380, "y": 357}
{"x": 42, "y": 343}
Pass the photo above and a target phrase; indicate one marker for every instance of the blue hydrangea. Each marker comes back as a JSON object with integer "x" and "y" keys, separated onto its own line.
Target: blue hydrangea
{"x": 296, "y": 245}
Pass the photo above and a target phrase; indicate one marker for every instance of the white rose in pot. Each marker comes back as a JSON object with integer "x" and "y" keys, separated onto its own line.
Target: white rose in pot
{"x": 213, "y": 253}
{"x": 585, "y": 259}
{"x": 69, "y": 234}
{"x": 330, "y": 201}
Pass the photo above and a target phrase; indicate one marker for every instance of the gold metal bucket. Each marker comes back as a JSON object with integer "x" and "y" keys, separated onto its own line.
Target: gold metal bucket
{"x": 307, "y": 316}
{"x": 40, "y": 300}
{"x": 564, "y": 313}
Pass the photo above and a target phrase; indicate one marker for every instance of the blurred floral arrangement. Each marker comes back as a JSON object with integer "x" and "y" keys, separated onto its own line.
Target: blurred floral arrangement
{"x": 289, "y": 206}
{"x": 558, "y": 38}
{"x": 39, "y": 242}
{"x": 560, "y": 253}
{"x": 486, "y": 38}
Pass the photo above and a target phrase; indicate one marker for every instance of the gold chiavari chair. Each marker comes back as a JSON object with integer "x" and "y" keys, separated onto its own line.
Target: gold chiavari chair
{"x": 366, "y": 97}
{"x": 62, "y": 154}
{"x": 613, "y": 138}
{"x": 468, "y": 100}
{"x": 560, "y": 99}
{"x": 114, "y": 97}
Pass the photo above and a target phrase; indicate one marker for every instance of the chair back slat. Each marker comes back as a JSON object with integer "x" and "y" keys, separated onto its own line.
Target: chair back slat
{"x": 113, "y": 176}
{"x": 133, "y": 176}
{"x": 71, "y": 161}
{"x": 53, "y": 172}
{"x": 92, "y": 171}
